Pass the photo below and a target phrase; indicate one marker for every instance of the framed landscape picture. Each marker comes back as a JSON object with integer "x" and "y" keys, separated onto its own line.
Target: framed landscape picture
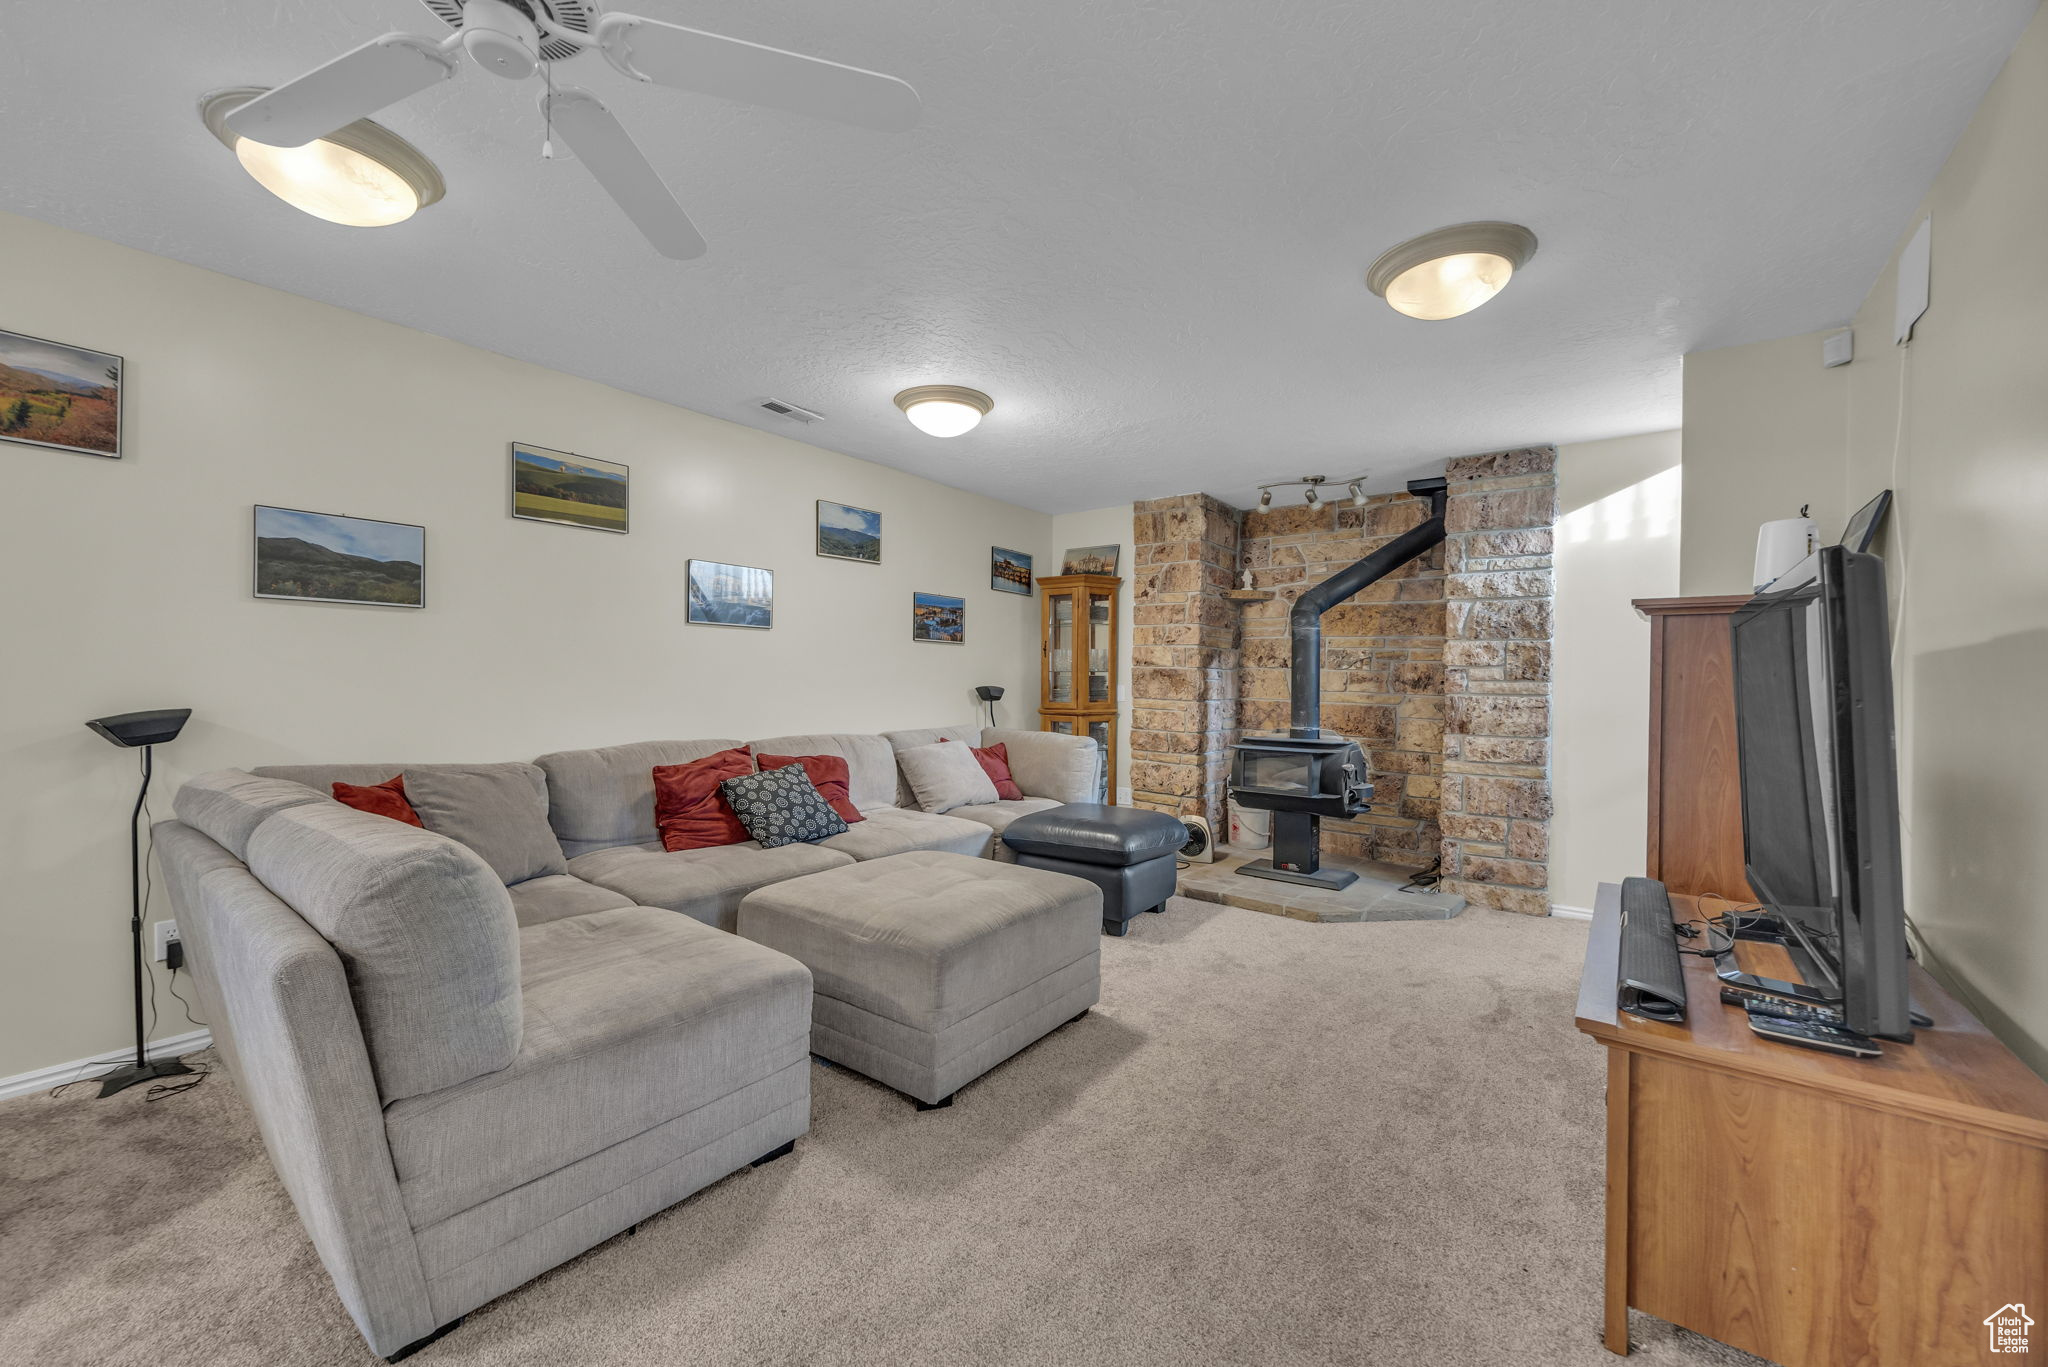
{"x": 849, "y": 533}
{"x": 1009, "y": 571}
{"x": 1091, "y": 560}
{"x": 328, "y": 558}
{"x": 935, "y": 617}
{"x": 576, "y": 491}
{"x": 60, "y": 396}
{"x": 723, "y": 595}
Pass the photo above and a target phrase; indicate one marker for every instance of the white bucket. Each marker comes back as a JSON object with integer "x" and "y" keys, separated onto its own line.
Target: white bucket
{"x": 1251, "y": 828}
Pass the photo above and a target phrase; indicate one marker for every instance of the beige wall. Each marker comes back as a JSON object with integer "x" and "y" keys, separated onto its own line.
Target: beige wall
{"x": 1617, "y": 540}
{"x": 129, "y": 586}
{"x": 1957, "y": 424}
{"x": 1096, "y": 527}
{"x": 1776, "y": 449}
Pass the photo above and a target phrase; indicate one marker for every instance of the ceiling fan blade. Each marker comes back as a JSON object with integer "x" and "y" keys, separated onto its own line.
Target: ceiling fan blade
{"x": 353, "y": 86}
{"x": 734, "y": 69}
{"x": 602, "y": 144}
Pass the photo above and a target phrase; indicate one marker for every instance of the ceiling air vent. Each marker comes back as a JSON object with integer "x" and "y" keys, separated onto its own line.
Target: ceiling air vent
{"x": 794, "y": 412}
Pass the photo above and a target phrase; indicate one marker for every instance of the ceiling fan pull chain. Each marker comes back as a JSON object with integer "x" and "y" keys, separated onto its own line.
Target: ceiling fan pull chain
{"x": 547, "y": 138}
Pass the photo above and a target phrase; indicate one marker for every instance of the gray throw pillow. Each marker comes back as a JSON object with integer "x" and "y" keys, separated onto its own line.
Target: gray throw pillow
{"x": 782, "y": 807}
{"x": 498, "y": 810}
{"x": 945, "y": 776}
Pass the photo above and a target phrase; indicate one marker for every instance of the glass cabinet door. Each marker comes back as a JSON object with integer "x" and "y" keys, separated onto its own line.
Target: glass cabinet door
{"x": 1100, "y": 667}
{"x": 1103, "y": 732}
{"x": 1059, "y": 644}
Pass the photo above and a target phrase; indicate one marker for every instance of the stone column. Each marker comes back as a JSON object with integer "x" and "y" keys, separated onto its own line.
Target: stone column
{"x": 1496, "y": 803}
{"x": 1184, "y": 656}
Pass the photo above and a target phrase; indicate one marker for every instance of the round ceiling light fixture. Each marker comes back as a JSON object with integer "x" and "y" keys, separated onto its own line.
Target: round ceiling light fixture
{"x": 944, "y": 410}
{"x": 1452, "y": 270}
{"x": 362, "y": 176}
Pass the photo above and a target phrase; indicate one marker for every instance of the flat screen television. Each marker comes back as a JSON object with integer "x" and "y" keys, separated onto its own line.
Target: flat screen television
{"x": 1820, "y": 806}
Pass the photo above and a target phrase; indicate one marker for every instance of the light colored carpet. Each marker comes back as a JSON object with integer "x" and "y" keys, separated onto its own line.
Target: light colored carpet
{"x": 1274, "y": 1142}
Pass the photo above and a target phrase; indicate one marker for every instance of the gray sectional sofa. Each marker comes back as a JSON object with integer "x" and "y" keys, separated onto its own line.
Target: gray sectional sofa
{"x": 476, "y": 1050}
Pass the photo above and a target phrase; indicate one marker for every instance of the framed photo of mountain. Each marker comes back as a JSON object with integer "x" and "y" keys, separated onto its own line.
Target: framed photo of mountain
{"x": 936, "y": 617}
{"x": 722, "y": 595}
{"x": 575, "y": 491}
{"x": 60, "y": 396}
{"x": 328, "y": 558}
{"x": 849, "y": 533}
{"x": 1009, "y": 571}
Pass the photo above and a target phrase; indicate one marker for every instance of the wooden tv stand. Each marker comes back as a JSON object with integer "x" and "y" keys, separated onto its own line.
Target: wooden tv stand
{"x": 1813, "y": 1209}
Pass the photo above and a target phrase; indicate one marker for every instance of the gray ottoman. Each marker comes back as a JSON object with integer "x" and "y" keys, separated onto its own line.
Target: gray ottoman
{"x": 1128, "y": 852}
{"x": 929, "y": 969}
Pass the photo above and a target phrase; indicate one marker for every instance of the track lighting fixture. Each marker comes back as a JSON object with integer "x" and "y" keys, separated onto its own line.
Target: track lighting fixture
{"x": 1312, "y": 497}
{"x": 1357, "y": 488}
{"x": 1265, "y": 498}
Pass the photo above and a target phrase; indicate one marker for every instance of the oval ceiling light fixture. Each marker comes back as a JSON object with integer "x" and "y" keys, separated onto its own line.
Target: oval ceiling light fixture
{"x": 1452, "y": 270}
{"x": 361, "y": 176}
{"x": 944, "y": 410}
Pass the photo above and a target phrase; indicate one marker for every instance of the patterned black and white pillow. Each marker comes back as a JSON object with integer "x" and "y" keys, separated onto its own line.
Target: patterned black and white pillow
{"x": 782, "y": 807}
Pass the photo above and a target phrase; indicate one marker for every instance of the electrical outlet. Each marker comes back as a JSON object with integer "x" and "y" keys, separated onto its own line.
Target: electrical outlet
{"x": 165, "y": 932}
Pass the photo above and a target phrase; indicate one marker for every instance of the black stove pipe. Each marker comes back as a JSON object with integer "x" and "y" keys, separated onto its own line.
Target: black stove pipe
{"x": 1305, "y": 623}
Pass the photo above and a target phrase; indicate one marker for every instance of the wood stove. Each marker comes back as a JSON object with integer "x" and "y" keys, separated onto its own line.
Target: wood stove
{"x": 1306, "y": 775}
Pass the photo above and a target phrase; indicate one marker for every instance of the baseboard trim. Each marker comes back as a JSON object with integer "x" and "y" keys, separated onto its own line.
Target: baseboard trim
{"x": 42, "y": 1079}
{"x": 1570, "y": 913}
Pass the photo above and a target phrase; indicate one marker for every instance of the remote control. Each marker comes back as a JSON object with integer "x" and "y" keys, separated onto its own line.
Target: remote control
{"x": 1807, "y": 1035}
{"x": 1758, "y": 1004}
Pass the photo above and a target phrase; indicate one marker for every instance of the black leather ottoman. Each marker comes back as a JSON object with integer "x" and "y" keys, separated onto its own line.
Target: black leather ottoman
{"x": 1128, "y": 852}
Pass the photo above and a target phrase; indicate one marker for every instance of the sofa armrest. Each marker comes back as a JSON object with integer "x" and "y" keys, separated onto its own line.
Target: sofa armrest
{"x": 281, "y": 1008}
{"x": 1050, "y": 764}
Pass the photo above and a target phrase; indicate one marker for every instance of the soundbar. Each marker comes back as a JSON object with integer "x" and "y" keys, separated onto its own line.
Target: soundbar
{"x": 1650, "y": 980}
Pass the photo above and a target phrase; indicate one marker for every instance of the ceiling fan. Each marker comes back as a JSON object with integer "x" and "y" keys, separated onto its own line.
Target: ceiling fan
{"x": 515, "y": 38}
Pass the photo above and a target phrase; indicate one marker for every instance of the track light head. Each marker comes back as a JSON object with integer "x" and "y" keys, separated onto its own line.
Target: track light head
{"x": 1265, "y": 498}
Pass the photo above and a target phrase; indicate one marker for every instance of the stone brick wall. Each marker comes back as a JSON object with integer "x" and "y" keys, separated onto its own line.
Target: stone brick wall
{"x": 1383, "y": 669}
{"x": 1496, "y": 797}
{"x": 1184, "y": 656}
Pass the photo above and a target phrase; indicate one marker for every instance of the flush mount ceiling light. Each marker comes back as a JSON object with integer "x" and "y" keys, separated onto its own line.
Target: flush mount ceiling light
{"x": 944, "y": 410}
{"x": 1452, "y": 270}
{"x": 362, "y": 175}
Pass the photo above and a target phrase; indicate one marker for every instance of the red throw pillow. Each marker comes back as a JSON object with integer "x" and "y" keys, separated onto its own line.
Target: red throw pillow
{"x": 829, "y": 775}
{"x": 380, "y": 799}
{"x": 995, "y": 762}
{"x": 689, "y": 811}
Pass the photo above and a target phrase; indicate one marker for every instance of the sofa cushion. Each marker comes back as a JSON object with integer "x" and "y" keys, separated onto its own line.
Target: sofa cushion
{"x": 945, "y": 776}
{"x": 1051, "y": 764}
{"x": 633, "y": 1017}
{"x": 870, "y": 763}
{"x": 828, "y": 774}
{"x": 554, "y": 896}
{"x": 691, "y": 809}
{"x": 424, "y": 928}
{"x": 386, "y": 799}
{"x": 705, "y": 884}
{"x": 227, "y": 805}
{"x": 782, "y": 807}
{"x": 498, "y": 810}
{"x": 898, "y": 830}
{"x": 605, "y": 797}
{"x": 997, "y": 816}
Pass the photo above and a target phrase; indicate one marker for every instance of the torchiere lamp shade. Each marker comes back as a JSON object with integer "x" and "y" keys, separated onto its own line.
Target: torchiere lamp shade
{"x": 131, "y": 729}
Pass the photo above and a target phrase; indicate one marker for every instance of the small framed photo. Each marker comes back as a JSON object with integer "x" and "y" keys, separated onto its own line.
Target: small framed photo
{"x": 575, "y": 491}
{"x": 328, "y": 558}
{"x": 849, "y": 533}
{"x": 723, "y": 595}
{"x": 1009, "y": 571}
{"x": 60, "y": 396}
{"x": 1091, "y": 560}
{"x": 935, "y": 617}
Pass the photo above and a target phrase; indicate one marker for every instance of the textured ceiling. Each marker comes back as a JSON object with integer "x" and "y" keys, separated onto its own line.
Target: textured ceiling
{"x": 1142, "y": 225}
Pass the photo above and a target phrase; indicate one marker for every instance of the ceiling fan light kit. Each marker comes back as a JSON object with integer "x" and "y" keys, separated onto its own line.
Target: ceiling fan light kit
{"x": 361, "y": 175}
{"x": 944, "y": 410}
{"x": 512, "y": 39}
{"x": 1451, "y": 271}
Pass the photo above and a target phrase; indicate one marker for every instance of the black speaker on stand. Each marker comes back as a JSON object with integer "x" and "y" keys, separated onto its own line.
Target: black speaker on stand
{"x": 143, "y": 731}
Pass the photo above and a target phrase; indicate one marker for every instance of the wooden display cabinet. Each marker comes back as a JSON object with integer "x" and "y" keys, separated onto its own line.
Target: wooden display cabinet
{"x": 1077, "y": 662}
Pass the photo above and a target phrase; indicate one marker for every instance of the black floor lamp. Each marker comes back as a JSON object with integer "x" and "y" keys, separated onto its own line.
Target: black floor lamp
{"x": 130, "y": 730}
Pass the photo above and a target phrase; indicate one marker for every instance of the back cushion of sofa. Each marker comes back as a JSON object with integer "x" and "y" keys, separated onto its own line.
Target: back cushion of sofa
{"x": 598, "y": 799}
{"x": 870, "y": 762}
{"x": 498, "y": 810}
{"x": 423, "y": 926}
{"x": 228, "y": 805}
